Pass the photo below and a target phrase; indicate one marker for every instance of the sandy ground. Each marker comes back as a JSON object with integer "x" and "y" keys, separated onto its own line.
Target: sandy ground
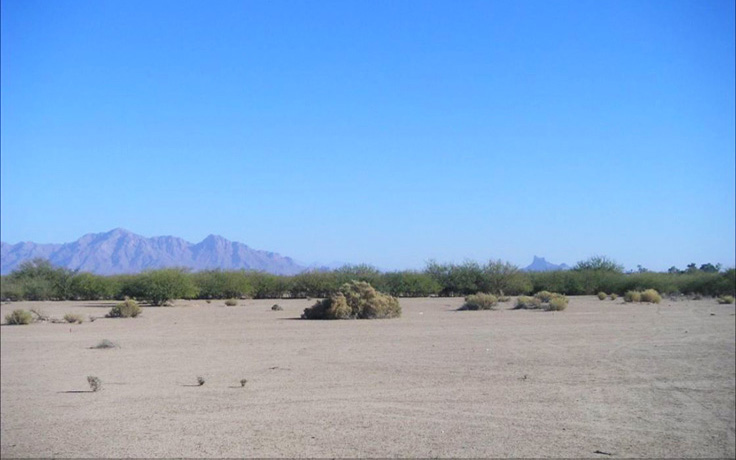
{"x": 629, "y": 380}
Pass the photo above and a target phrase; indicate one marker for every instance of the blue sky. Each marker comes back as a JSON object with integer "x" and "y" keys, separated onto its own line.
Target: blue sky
{"x": 387, "y": 133}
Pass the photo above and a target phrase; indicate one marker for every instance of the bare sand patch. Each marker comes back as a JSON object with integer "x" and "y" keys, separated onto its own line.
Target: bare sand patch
{"x": 630, "y": 380}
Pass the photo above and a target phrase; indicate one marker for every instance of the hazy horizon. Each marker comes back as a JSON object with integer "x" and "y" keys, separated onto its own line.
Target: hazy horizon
{"x": 385, "y": 133}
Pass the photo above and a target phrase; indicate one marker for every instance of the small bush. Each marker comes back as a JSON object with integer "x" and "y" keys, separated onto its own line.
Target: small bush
{"x": 94, "y": 383}
{"x": 208, "y": 301}
{"x": 651, "y": 295}
{"x": 231, "y": 302}
{"x": 557, "y": 303}
{"x": 200, "y": 381}
{"x": 632, "y": 296}
{"x": 543, "y": 296}
{"x": 19, "y": 317}
{"x": 480, "y": 301}
{"x": 276, "y": 307}
{"x": 243, "y": 382}
{"x": 526, "y": 302}
{"x": 602, "y": 295}
{"x": 614, "y": 296}
{"x": 128, "y": 309}
{"x": 105, "y": 344}
{"x": 355, "y": 300}
{"x": 726, "y": 299}
{"x": 73, "y": 318}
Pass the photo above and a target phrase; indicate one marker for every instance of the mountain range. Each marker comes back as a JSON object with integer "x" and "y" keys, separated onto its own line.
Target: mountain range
{"x": 120, "y": 251}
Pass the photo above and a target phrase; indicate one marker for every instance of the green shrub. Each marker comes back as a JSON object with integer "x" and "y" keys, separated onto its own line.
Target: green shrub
{"x": 128, "y": 309}
{"x": 355, "y": 300}
{"x": 557, "y": 303}
{"x": 543, "y": 296}
{"x": 480, "y": 301}
{"x": 726, "y": 299}
{"x": 19, "y": 317}
{"x": 614, "y": 296}
{"x": 159, "y": 287}
{"x": 602, "y": 295}
{"x": 231, "y": 302}
{"x": 632, "y": 296}
{"x": 651, "y": 295}
{"x": 526, "y": 302}
{"x": 73, "y": 318}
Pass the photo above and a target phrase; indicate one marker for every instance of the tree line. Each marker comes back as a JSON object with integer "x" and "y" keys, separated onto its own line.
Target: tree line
{"x": 40, "y": 280}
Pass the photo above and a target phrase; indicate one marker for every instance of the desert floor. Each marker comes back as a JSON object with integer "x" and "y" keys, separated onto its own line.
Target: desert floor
{"x": 629, "y": 380}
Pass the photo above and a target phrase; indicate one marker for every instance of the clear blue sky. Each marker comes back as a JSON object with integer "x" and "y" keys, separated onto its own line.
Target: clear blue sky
{"x": 387, "y": 133}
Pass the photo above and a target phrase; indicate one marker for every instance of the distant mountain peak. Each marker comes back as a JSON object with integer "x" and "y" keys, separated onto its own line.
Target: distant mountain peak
{"x": 122, "y": 251}
{"x": 540, "y": 264}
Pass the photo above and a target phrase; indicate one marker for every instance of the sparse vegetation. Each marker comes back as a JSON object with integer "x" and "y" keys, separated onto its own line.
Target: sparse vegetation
{"x": 231, "y": 302}
{"x": 726, "y": 299}
{"x": 39, "y": 280}
{"x": 19, "y": 317}
{"x": 632, "y": 296}
{"x": 73, "y": 318}
{"x": 355, "y": 300}
{"x": 543, "y": 296}
{"x": 94, "y": 383}
{"x": 528, "y": 303}
{"x": 613, "y": 296}
{"x": 602, "y": 295}
{"x": 480, "y": 301}
{"x": 128, "y": 309}
{"x": 651, "y": 295}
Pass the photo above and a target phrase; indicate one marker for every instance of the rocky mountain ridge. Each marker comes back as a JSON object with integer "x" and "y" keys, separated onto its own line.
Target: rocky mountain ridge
{"x": 121, "y": 251}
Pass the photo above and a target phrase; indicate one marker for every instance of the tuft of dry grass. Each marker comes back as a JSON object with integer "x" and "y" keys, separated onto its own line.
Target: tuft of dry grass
{"x": 73, "y": 318}
{"x": 104, "y": 344}
{"x": 128, "y": 309}
{"x": 557, "y": 303}
{"x": 231, "y": 302}
{"x": 19, "y": 317}
{"x": 480, "y": 301}
{"x": 602, "y": 295}
{"x": 632, "y": 296}
{"x": 651, "y": 295}
{"x": 527, "y": 303}
{"x": 726, "y": 299}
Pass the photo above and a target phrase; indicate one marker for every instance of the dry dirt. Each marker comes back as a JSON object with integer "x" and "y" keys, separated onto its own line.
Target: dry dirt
{"x": 627, "y": 380}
